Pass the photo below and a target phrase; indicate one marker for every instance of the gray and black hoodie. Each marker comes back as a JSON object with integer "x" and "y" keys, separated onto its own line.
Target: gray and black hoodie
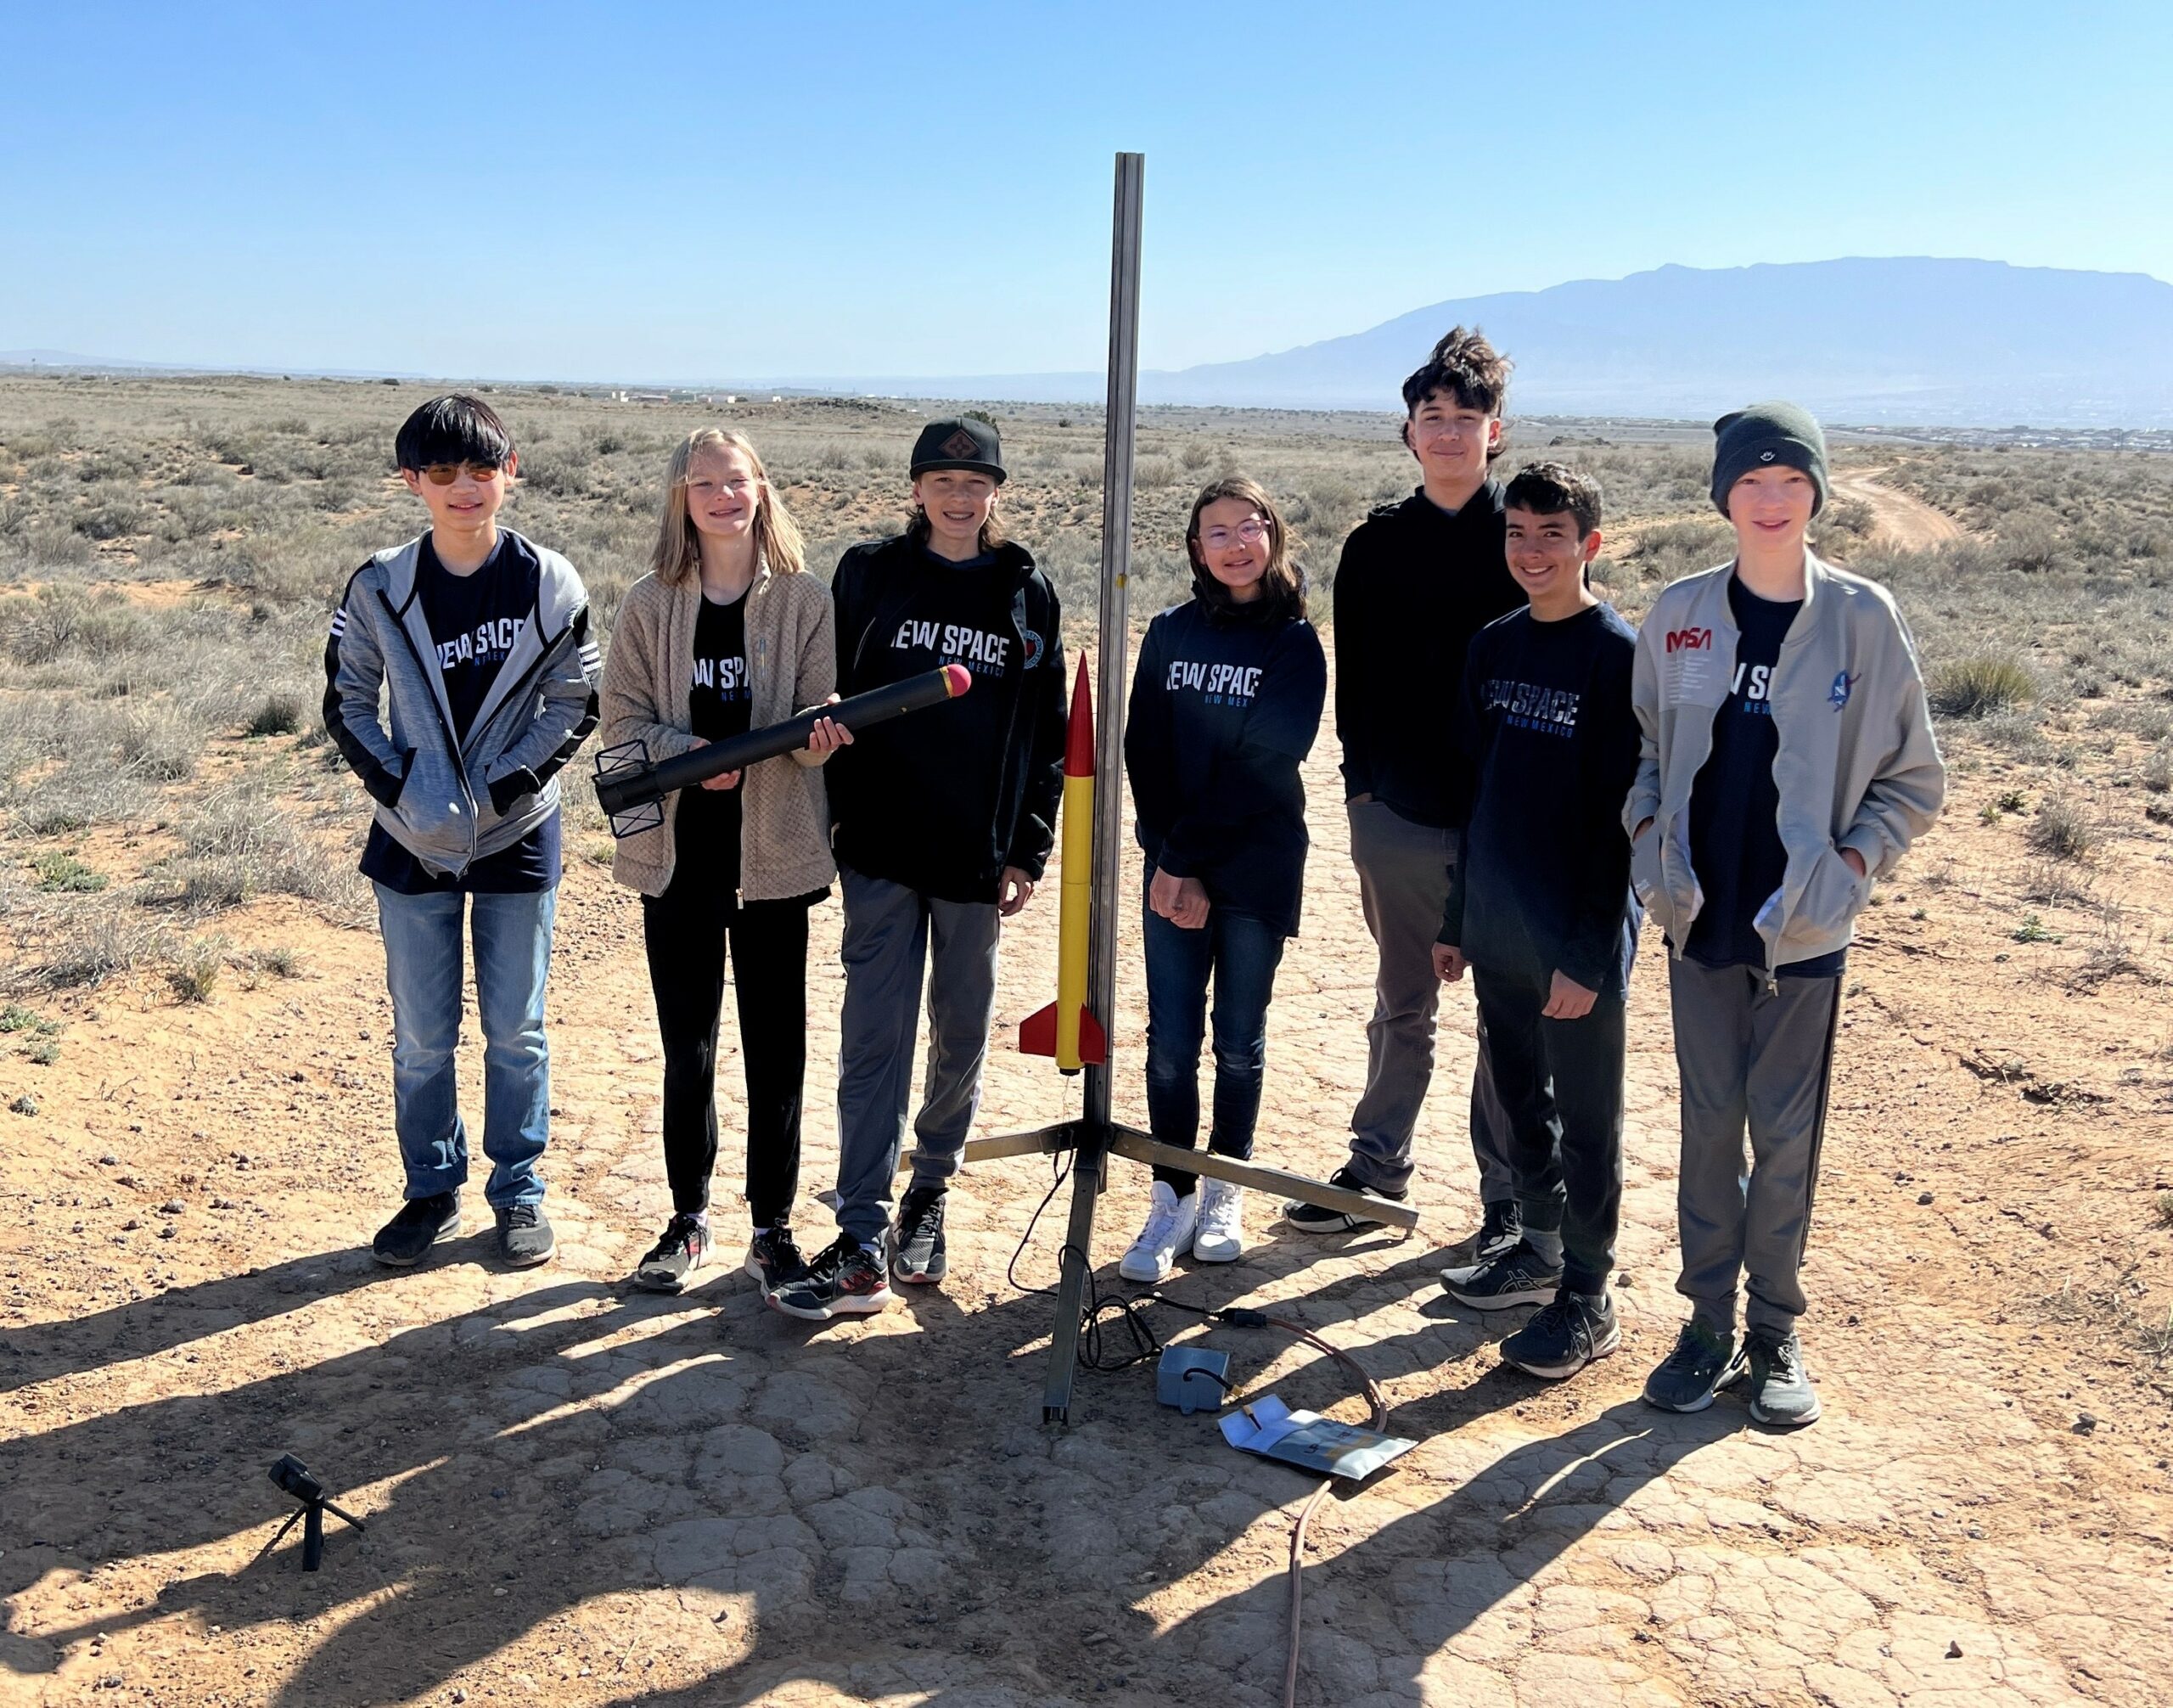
{"x": 450, "y": 802}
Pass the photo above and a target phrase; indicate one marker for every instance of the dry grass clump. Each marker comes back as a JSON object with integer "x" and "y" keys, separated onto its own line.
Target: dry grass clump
{"x": 1979, "y": 684}
{"x": 197, "y": 966}
{"x": 96, "y": 944}
{"x": 239, "y": 843}
{"x": 2063, "y": 828}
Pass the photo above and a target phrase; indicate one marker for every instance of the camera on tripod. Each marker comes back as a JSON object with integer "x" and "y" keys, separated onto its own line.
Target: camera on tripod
{"x": 294, "y": 1478}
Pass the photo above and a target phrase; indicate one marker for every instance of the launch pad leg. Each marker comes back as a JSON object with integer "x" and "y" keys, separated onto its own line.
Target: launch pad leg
{"x": 1088, "y": 1175}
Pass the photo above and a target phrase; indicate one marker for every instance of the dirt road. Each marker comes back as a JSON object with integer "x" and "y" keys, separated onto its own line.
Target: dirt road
{"x": 583, "y": 1494}
{"x": 1904, "y": 521}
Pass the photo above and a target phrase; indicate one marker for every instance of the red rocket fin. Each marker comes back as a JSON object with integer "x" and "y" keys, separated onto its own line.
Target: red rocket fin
{"x": 1079, "y": 734}
{"x": 1093, "y": 1043}
{"x": 1037, "y": 1033}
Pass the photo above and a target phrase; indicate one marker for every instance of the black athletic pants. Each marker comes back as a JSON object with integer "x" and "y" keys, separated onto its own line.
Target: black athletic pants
{"x": 1561, "y": 1082}
{"x": 686, "y": 931}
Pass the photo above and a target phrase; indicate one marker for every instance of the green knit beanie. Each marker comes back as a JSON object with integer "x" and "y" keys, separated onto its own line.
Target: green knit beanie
{"x": 1761, "y": 437}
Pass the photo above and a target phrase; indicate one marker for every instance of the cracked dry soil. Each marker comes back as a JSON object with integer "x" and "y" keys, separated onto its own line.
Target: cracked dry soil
{"x": 579, "y": 1493}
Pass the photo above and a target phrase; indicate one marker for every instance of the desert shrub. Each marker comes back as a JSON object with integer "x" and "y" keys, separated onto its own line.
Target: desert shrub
{"x": 1978, "y": 685}
{"x": 2062, "y": 830}
{"x": 59, "y": 870}
{"x": 98, "y": 944}
{"x": 281, "y": 713}
{"x": 197, "y": 965}
{"x": 158, "y": 744}
{"x": 2157, "y": 770}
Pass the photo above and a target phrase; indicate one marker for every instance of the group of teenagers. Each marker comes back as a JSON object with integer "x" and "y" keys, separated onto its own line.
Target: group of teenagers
{"x": 1526, "y": 776}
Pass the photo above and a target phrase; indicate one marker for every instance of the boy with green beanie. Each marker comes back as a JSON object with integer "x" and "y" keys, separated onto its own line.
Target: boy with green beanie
{"x": 1787, "y": 761}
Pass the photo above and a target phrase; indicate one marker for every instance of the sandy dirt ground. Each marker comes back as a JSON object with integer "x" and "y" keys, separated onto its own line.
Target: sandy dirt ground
{"x": 583, "y": 1494}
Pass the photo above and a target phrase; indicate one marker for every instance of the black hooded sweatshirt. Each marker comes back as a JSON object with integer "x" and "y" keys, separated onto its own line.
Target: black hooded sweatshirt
{"x": 1415, "y": 585}
{"x": 941, "y": 801}
{"x": 1224, "y": 706}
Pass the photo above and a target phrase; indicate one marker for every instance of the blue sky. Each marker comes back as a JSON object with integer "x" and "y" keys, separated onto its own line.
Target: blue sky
{"x": 720, "y": 191}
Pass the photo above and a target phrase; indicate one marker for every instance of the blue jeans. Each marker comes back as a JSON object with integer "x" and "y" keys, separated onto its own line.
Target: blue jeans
{"x": 1241, "y": 954}
{"x": 423, "y": 969}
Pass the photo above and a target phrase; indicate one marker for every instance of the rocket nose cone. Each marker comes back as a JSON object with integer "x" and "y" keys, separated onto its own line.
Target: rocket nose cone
{"x": 959, "y": 678}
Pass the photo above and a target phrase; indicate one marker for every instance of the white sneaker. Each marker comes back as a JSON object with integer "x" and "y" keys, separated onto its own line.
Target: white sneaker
{"x": 1222, "y": 1235}
{"x": 1166, "y": 1237}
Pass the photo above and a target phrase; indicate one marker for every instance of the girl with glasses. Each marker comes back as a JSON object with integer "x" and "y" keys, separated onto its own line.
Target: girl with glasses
{"x": 1225, "y": 704}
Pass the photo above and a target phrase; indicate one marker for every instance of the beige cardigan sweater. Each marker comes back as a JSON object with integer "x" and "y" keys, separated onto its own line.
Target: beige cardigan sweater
{"x": 784, "y": 839}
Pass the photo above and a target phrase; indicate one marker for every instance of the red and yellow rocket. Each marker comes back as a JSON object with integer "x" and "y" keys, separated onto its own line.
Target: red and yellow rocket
{"x": 1066, "y": 1029}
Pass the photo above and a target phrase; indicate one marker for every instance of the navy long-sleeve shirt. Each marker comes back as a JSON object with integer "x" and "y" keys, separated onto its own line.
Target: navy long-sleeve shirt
{"x": 1223, "y": 712}
{"x": 1546, "y": 749}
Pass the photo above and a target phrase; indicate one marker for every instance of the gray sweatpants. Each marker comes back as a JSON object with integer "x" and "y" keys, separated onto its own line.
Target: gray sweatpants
{"x": 1760, "y": 1060}
{"x": 1403, "y": 883}
{"x": 889, "y": 930}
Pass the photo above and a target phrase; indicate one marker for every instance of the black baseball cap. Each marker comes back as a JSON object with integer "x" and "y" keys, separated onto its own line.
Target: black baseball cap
{"x": 967, "y": 442}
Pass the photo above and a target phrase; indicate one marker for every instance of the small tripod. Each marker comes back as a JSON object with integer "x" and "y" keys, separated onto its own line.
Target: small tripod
{"x": 292, "y": 1475}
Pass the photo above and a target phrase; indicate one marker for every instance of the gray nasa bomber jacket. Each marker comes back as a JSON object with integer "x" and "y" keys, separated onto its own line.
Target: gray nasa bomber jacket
{"x": 451, "y": 803}
{"x": 1858, "y": 766}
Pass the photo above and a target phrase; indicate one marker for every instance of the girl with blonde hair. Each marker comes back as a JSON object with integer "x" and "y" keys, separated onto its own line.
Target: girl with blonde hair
{"x": 727, "y": 633}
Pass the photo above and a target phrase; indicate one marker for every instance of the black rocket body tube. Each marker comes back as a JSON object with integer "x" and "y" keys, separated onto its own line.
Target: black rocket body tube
{"x": 627, "y": 784}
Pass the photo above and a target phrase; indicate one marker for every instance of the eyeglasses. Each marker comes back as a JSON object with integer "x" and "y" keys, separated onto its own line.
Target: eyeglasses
{"x": 444, "y": 473}
{"x": 1250, "y": 532}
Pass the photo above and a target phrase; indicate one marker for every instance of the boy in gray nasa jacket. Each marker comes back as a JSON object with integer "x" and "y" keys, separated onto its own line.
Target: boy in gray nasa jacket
{"x": 477, "y": 644}
{"x": 1787, "y": 761}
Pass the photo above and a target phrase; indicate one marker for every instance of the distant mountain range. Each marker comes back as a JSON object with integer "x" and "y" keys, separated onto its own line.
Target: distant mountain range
{"x": 1904, "y": 340}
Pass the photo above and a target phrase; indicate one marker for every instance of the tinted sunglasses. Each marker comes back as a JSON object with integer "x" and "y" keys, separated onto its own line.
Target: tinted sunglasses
{"x": 444, "y": 473}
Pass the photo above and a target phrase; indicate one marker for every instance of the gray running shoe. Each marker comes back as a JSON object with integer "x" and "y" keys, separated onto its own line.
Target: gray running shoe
{"x": 668, "y": 1263}
{"x": 1498, "y": 1234}
{"x": 1781, "y": 1393}
{"x": 1702, "y": 1363}
{"x": 1564, "y": 1336}
{"x": 525, "y": 1236}
{"x": 1520, "y": 1275}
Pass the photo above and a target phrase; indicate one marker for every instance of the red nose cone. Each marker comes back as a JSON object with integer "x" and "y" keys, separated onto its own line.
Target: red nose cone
{"x": 1079, "y": 739}
{"x": 958, "y": 677}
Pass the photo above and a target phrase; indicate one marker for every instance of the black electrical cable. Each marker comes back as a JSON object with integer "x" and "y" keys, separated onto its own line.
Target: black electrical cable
{"x": 1146, "y": 1344}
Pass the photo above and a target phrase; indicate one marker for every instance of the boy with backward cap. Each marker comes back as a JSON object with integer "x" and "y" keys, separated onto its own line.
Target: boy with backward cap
{"x": 1786, "y": 763}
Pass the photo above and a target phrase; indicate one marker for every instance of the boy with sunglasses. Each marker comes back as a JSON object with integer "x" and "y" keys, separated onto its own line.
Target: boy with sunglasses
{"x": 478, "y": 642}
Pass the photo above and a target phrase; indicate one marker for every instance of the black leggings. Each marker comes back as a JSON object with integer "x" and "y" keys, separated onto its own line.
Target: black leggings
{"x": 686, "y": 931}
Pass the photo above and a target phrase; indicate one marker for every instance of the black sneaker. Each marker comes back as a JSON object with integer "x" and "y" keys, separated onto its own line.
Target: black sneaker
{"x": 1311, "y": 1218}
{"x": 1499, "y": 1231}
{"x": 677, "y": 1256}
{"x": 1781, "y": 1393}
{"x": 1702, "y": 1362}
{"x": 421, "y": 1223}
{"x": 1520, "y": 1275}
{"x": 525, "y": 1236}
{"x": 773, "y": 1259}
{"x": 1564, "y": 1335}
{"x": 843, "y": 1280}
{"x": 918, "y": 1239}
